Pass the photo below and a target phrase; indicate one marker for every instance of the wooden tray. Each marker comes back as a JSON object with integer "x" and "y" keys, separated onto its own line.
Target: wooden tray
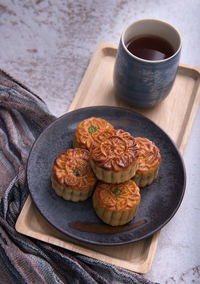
{"x": 175, "y": 115}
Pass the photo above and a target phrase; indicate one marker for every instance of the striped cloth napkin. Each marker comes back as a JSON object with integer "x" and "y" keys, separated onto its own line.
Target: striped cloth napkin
{"x": 23, "y": 116}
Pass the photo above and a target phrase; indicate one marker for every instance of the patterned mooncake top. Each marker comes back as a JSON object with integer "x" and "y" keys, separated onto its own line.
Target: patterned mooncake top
{"x": 117, "y": 197}
{"x": 72, "y": 169}
{"x": 149, "y": 156}
{"x": 116, "y": 152}
{"x": 87, "y": 128}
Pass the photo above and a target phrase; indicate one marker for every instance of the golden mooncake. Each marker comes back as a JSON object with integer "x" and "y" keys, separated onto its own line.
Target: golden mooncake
{"x": 86, "y": 129}
{"x": 114, "y": 158}
{"x": 148, "y": 162}
{"x": 72, "y": 177}
{"x": 116, "y": 204}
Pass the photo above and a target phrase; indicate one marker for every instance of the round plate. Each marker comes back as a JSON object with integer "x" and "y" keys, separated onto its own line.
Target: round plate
{"x": 159, "y": 201}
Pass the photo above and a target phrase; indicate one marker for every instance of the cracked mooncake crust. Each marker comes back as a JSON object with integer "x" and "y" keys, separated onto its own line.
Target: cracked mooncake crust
{"x": 86, "y": 129}
{"x": 72, "y": 177}
{"x": 116, "y": 204}
{"x": 148, "y": 162}
{"x": 114, "y": 159}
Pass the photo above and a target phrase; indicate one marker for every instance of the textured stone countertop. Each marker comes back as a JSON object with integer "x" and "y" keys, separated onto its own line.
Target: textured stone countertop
{"x": 48, "y": 44}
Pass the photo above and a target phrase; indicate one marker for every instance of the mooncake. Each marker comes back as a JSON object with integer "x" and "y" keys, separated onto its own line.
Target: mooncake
{"x": 72, "y": 177}
{"x": 86, "y": 129}
{"x": 148, "y": 162}
{"x": 114, "y": 159}
{"x": 116, "y": 204}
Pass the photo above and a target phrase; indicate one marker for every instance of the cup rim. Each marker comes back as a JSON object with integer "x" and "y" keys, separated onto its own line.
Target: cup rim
{"x": 146, "y": 60}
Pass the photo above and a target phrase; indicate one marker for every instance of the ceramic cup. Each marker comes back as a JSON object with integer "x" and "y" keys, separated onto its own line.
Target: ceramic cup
{"x": 140, "y": 82}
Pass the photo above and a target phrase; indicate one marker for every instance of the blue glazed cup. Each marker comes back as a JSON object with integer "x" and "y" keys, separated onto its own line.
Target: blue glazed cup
{"x": 140, "y": 82}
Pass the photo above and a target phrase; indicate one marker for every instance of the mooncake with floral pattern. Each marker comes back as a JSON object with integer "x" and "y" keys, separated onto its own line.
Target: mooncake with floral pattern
{"x": 116, "y": 204}
{"x": 72, "y": 177}
{"x": 115, "y": 158}
{"x": 86, "y": 129}
{"x": 148, "y": 162}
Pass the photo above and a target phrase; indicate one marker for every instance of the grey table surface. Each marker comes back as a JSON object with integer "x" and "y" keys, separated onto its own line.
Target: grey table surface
{"x": 48, "y": 44}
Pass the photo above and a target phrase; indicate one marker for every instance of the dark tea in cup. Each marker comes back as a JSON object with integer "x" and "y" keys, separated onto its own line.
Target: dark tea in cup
{"x": 150, "y": 47}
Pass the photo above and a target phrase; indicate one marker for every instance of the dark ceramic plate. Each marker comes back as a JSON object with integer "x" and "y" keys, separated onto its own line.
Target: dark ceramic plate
{"x": 159, "y": 201}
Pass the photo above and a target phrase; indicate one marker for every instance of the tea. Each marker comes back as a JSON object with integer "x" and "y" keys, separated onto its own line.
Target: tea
{"x": 150, "y": 47}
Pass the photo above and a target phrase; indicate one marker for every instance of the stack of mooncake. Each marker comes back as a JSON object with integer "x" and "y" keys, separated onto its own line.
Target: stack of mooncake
{"x": 109, "y": 164}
